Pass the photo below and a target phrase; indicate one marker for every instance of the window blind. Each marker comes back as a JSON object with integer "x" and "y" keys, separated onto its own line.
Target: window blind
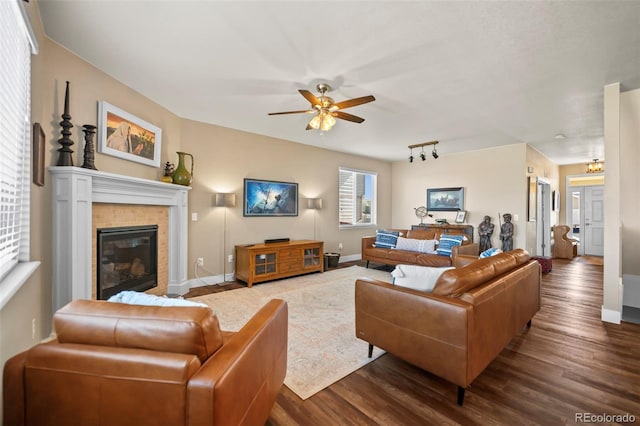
{"x": 15, "y": 135}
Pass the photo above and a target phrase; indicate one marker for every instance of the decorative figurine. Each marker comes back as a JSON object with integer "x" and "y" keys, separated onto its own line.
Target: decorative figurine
{"x": 65, "y": 158}
{"x": 89, "y": 156}
{"x": 485, "y": 230}
{"x": 506, "y": 233}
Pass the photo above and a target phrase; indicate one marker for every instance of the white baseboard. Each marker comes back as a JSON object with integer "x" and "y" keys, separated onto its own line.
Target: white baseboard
{"x": 184, "y": 288}
{"x": 609, "y": 315}
{"x": 350, "y": 258}
{"x": 631, "y": 295}
{"x": 180, "y": 289}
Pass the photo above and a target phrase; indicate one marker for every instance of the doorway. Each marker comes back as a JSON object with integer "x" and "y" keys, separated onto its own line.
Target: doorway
{"x": 585, "y": 213}
{"x": 543, "y": 213}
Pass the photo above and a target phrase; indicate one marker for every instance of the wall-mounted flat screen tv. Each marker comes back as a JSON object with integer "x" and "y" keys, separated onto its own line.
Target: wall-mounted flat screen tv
{"x": 270, "y": 198}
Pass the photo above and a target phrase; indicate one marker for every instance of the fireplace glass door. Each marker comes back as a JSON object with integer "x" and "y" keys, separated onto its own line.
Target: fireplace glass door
{"x": 127, "y": 259}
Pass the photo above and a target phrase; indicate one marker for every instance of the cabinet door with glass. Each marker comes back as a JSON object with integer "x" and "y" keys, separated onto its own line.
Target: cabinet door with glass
{"x": 312, "y": 257}
{"x": 264, "y": 263}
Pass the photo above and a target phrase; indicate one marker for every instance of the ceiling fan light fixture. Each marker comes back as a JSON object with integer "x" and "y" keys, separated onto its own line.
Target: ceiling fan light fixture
{"x": 315, "y": 122}
{"x": 327, "y": 122}
{"x": 326, "y": 110}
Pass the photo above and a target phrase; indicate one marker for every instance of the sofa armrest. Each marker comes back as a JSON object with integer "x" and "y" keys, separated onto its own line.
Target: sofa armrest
{"x": 472, "y": 249}
{"x": 410, "y": 323}
{"x": 463, "y": 260}
{"x": 240, "y": 382}
{"x": 367, "y": 243}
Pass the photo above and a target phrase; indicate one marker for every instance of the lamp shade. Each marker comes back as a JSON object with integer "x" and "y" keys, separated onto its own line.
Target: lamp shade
{"x": 224, "y": 199}
{"x": 314, "y": 203}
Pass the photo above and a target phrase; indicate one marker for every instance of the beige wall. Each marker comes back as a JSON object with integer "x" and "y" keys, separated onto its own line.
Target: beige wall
{"x": 224, "y": 157}
{"x": 491, "y": 183}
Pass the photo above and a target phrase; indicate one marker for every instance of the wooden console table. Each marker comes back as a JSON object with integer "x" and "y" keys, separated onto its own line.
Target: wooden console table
{"x": 448, "y": 228}
{"x": 264, "y": 262}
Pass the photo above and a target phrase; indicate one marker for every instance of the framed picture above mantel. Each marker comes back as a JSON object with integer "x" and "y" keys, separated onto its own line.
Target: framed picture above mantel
{"x": 445, "y": 199}
{"x": 126, "y": 136}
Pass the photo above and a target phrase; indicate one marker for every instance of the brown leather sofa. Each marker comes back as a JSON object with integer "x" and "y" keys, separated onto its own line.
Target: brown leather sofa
{"x": 404, "y": 257}
{"x": 117, "y": 364}
{"x": 456, "y": 330}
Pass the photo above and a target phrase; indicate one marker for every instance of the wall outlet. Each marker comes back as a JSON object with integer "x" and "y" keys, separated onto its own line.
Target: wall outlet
{"x": 194, "y": 216}
{"x": 340, "y": 246}
{"x": 200, "y": 261}
{"x": 230, "y": 258}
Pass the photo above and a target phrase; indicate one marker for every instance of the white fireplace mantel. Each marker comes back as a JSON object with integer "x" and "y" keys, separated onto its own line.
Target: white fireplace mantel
{"x": 74, "y": 190}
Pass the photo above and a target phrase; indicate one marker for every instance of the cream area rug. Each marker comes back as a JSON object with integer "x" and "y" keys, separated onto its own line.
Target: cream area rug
{"x": 322, "y": 344}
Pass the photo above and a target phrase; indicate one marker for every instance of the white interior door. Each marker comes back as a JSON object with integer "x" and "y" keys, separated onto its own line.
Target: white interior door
{"x": 594, "y": 220}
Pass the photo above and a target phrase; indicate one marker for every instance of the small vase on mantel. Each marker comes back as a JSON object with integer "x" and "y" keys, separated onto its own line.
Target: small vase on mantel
{"x": 168, "y": 171}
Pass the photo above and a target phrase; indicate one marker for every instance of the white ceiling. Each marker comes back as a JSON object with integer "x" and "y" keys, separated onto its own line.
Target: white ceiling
{"x": 469, "y": 74}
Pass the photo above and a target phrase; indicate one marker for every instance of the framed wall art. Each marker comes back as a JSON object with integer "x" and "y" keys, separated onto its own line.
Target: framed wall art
{"x": 461, "y": 216}
{"x": 126, "y": 136}
{"x": 532, "y": 187}
{"x": 445, "y": 199}
{"x": 270, "y": 198}
{"x": 38, "y": 154}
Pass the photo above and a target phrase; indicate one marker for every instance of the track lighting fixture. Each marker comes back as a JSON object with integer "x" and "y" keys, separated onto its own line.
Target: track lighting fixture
{"x": 423, "y": 156}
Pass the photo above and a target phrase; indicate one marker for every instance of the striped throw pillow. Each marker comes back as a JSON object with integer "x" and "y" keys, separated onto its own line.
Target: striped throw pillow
{"x": 386, "y": 239}
{"x": 447, "y": 242}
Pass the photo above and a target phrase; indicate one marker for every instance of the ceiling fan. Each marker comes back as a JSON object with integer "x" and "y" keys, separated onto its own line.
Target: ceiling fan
{"x": 326, "y": 109}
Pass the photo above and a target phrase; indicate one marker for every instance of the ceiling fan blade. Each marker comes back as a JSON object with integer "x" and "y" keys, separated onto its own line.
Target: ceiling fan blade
{"x": 309, "y": 96}
{"x": 308, "y": 111}
{"x": 355, "y": 101}
{"x": 348, "y": 117}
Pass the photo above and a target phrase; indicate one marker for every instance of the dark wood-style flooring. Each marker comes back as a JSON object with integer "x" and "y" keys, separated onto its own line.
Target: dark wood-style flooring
{"x": 568, "y": 364}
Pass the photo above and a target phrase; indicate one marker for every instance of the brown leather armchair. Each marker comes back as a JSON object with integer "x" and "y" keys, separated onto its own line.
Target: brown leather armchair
{"x": 117, "y": 364}
{"x": 563, "y": 246}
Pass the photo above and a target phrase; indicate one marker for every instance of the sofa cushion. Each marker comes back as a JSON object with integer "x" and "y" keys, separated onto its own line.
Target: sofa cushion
{"x": 189, "y": 330}
{"x": 413, "y": 244}
{"x": 424, "y": 259}
{"x": 424, "y": 234}
{"x": 421, "y": 278}
{"x": 455, "y": 282}
{"x": 403, "y": 256}
{"x": 448, "y": 241}
{"x": 386, "y": 238}
{"x": 458, "y": 281}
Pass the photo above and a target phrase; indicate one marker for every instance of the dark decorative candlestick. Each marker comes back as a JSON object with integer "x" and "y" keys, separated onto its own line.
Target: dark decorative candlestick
{"x": 65, "y": 158}
{"x": 89, "y": 157}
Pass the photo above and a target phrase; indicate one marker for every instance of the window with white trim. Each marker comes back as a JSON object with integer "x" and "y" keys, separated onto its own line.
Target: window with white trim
{"x": 16, "y": 45}
{"x": 357, "y": 204}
